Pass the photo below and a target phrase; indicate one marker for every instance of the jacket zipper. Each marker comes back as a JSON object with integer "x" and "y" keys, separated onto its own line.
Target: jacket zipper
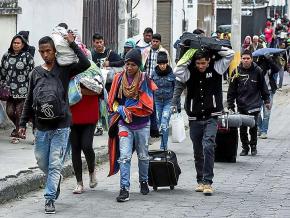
{"x": 191, "y": 105}
{"x": 213, "y": 100}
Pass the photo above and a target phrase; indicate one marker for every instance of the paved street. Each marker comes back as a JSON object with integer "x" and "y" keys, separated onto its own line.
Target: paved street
{"x": 252, "y": 187}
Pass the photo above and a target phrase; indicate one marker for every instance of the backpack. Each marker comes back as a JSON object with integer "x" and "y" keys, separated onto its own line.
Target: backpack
{"x": 48, "y": 96}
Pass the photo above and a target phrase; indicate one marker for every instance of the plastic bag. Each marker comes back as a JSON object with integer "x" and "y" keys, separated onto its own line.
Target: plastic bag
{"x": 178, "y": 134}
{"x": 104, "y": 73}
{"x": 2, "y": 113}
{"x": 74, "y": 92}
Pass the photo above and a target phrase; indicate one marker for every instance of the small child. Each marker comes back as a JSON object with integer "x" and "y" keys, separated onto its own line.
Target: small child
{"x": 165, "y": 80}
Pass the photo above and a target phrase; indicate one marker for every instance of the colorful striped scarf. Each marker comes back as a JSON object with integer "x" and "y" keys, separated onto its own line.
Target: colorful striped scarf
{"x": 141, "y": 107}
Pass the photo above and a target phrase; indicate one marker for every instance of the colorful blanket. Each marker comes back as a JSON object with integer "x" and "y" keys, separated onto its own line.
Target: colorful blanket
{"x": 142, "y": 107}
{"x": 74, "y": 91}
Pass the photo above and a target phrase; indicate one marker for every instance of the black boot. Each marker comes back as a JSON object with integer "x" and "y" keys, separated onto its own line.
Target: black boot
{"x": 253, "y": 150}
{"x": 245, "y": 150}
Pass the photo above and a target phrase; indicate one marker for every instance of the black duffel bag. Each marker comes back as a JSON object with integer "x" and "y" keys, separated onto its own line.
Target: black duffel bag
{"x": 190, "y": 40}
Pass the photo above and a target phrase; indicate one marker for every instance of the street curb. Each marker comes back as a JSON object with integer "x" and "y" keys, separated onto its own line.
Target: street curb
{"x": 15, "y": 186}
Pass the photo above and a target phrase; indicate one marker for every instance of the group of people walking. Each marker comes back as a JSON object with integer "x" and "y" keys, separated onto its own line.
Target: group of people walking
{"x": 141, "y": 94}
{"x": 40, "y": 95}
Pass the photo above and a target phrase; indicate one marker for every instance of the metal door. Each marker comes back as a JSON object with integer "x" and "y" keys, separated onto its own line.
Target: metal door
{"x": 101, "y": 16}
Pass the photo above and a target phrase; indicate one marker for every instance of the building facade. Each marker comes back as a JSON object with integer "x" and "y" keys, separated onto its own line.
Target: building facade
{"x": 170, "y": 18}
{"x": 38, "y": 17}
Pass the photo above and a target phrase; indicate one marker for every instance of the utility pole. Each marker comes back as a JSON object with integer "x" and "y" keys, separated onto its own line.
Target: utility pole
{"x": 213, "y": 16}
{"x": 236, "y": 34}
{"x": 236, "y": 25}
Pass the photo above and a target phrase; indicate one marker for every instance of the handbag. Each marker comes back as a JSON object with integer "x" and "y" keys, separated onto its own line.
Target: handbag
{"x": 111, "y": 71}
{"x": 178, "y": 135}
{"x": 5, "y": 92}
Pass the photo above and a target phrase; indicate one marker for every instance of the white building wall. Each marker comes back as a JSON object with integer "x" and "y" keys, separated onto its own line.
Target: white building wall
{"x": 41, "y": 16}
{"x": 8, "y": 30}
{"x": 179, "y": 7}
{"x": 146, "y": 13}
{"x": 122, "y": 25}
{"x": 191, "y": 15}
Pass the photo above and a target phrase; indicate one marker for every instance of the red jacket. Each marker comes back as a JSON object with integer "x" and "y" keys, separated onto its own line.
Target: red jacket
{"x": 86, "y": 111}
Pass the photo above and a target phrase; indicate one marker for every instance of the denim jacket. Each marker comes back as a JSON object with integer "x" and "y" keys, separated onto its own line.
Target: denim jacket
{"x": 164, "y": 83}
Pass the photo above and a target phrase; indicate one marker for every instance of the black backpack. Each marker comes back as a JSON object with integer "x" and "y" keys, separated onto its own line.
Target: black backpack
{"x": 48, "y": 96}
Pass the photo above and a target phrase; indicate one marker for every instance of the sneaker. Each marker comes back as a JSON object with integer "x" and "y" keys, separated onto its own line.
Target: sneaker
{"x": 99, "y": 131}
{"x": 279, "y": 89}
{"x": 49, "y": 207}
{"x": 58, "y": 188}
{"x": 123, "y": 196}
{"x": 263, "y": 136}
{"x": 254, "y": 152}
{"x": 244, "y": 152}
{"x": 199, "y": 187}
{"x": 144, "y": 189}
{"x": 207, "y": 190}
{"x": 79, "y": 189}
{"x": 93, "y": 180}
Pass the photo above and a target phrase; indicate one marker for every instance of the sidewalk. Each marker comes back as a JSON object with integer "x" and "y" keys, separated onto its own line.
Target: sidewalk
{"x": 19, "y": 173}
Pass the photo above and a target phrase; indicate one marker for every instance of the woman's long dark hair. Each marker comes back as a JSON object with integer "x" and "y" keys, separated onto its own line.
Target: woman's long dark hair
{"x": 25, "y": 47}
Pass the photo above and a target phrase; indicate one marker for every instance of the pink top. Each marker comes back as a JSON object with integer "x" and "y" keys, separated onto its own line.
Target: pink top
{"x": 268, "y": 34}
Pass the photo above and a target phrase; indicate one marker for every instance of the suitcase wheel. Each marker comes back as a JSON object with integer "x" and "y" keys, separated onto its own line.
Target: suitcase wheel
{"x": 171, "y": 187}
{"x": 155, "y": 188}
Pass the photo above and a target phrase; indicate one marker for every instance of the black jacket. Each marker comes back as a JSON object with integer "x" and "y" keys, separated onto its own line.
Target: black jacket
{"x": 204, "y": 93}
{"x": 248, "y": 88}
{"x": 114, "y": 59}
{"x": 268, "y": 63}
{"x": 64, "y": 73}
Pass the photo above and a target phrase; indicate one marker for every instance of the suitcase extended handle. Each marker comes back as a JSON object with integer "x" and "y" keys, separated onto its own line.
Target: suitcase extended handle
{"x": 166, "y": 160}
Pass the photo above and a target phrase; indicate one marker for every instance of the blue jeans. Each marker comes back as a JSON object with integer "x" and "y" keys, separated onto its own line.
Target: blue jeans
{"x": 263, "y": 121}
{"x": 163, "y": 117}
{"x": 281, "y": 76}
{"x": 50, "y": 149}
{"x": 203, "y": 134}
{"x": 139, "y": 138}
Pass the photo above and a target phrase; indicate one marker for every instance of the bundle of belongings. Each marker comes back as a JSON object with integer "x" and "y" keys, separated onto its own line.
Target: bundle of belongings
{"x": 193, "y": 41}
{"x": 64, "y": 54}
{"x": 189, "y": 44}
{"x": 91, "y": 79}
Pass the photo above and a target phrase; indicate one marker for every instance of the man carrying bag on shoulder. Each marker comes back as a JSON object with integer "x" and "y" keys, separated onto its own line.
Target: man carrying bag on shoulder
{"x": 47, "y": 104}
{"x": 201, "y": 74}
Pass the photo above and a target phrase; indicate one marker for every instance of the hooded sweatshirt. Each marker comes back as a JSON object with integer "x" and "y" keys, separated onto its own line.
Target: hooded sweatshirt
{"x": 15, "y": 69}
{"x": 249, "y": 89}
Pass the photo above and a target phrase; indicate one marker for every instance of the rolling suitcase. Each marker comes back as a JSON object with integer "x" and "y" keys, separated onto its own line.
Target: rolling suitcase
{"x": 226, "y": 145}
{"x": 163, "y": 169}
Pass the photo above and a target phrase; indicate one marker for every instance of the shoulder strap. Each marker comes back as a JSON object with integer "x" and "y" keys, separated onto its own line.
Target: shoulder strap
{"x": 40, "y": 70}
{"x": 108, "y": 55}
